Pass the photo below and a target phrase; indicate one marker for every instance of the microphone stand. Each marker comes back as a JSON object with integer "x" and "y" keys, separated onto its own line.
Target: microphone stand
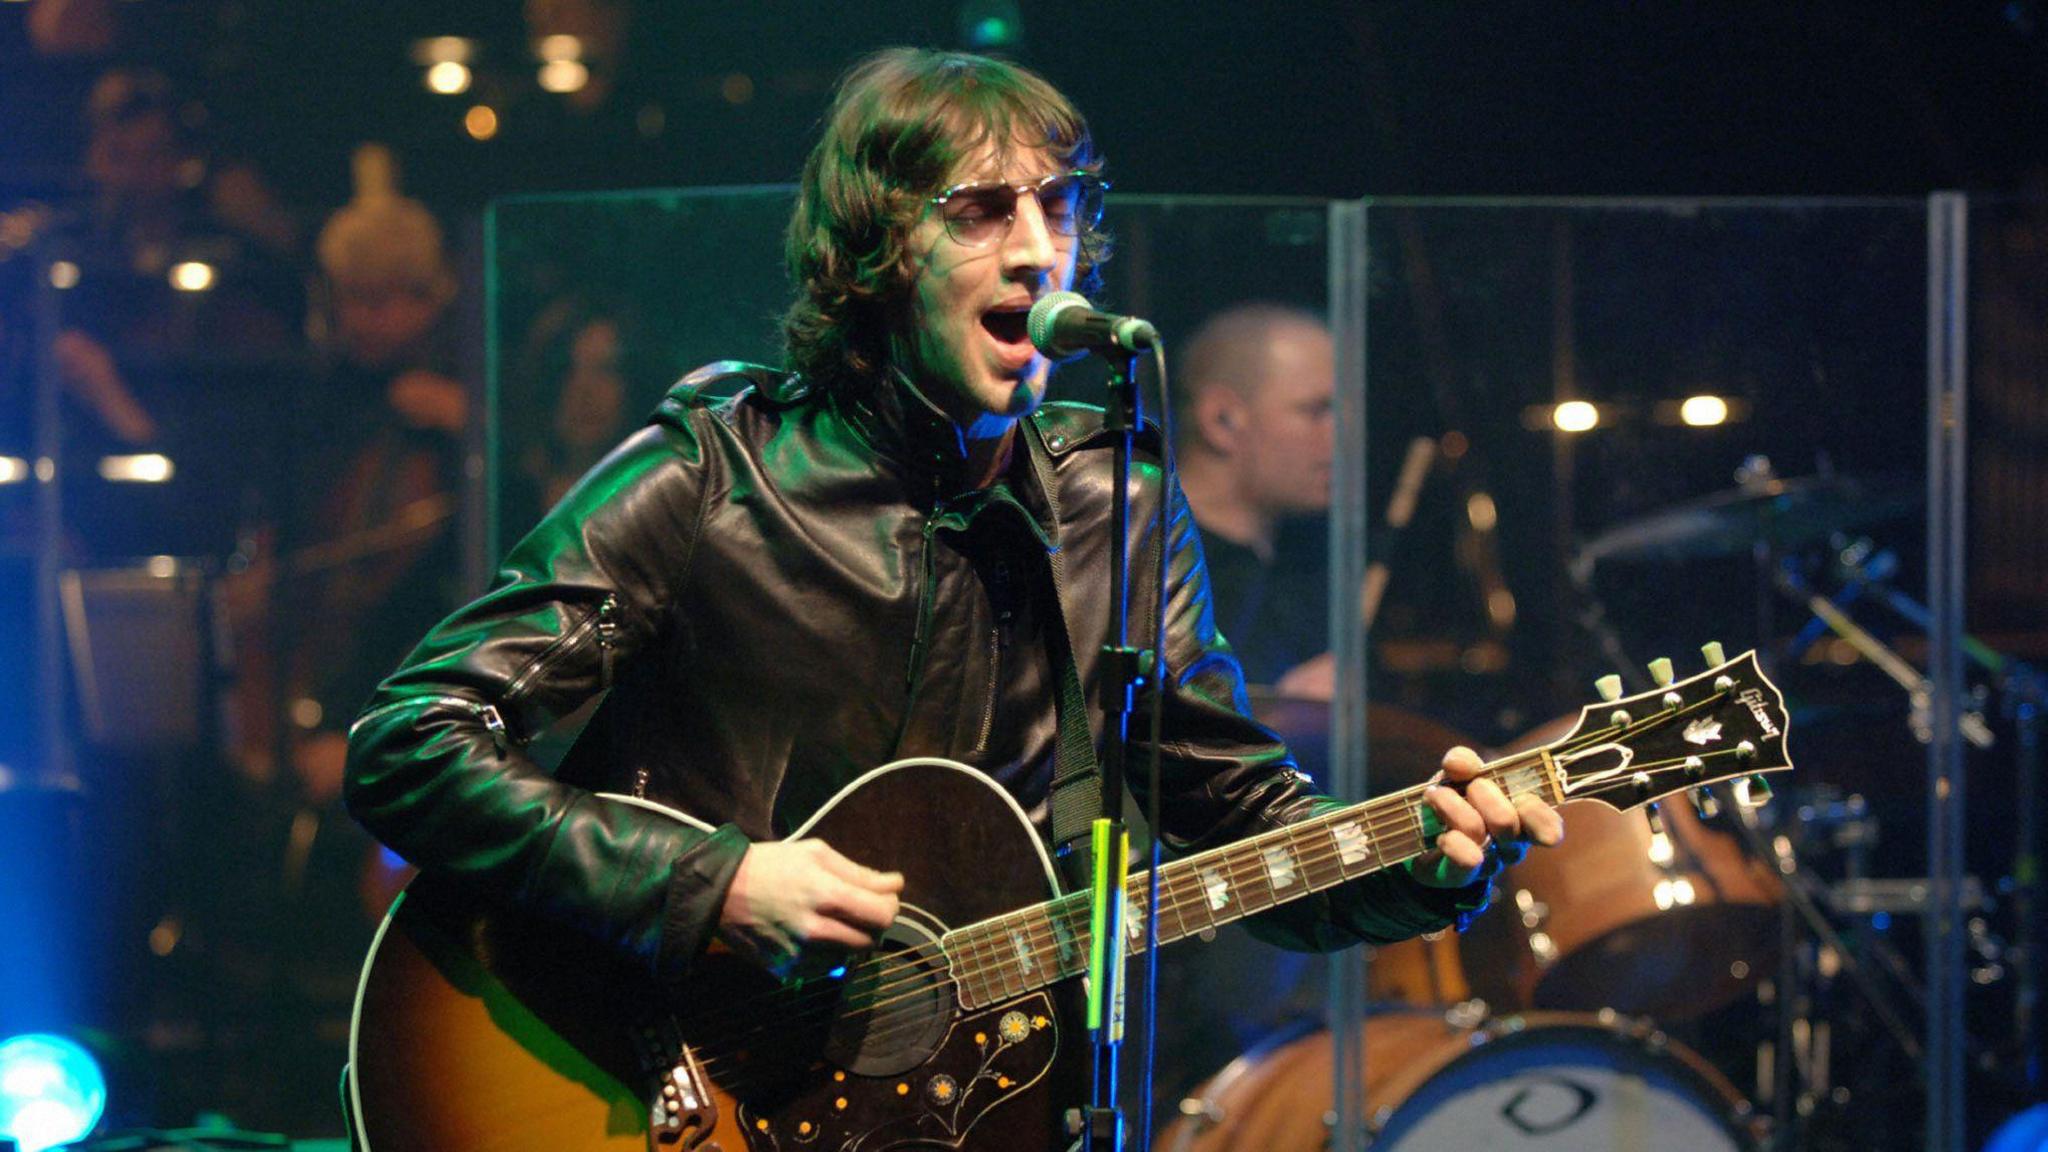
{"x": 1124, "y": 668}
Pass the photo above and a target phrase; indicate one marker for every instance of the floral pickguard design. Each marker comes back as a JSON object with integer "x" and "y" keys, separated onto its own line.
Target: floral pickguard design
{"x": 984, "y": 1060}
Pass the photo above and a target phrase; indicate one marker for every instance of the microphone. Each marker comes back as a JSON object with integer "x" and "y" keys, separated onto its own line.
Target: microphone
{"x": 1063, "y": 325}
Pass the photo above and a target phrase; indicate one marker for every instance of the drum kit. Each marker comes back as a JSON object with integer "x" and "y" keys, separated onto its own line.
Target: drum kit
{"x": 1555, "y": 1020}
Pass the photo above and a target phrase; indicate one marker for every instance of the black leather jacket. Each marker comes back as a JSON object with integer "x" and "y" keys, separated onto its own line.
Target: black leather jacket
{"x": 780, "y": 591}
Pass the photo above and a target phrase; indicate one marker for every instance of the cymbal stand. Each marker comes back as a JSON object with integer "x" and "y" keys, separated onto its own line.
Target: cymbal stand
{"x": 2024, "y": 691}
{"x": 1802, "y": 907}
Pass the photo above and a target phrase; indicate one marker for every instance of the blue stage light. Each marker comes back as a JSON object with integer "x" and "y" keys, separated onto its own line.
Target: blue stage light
{"x": 2026, "y": 1132}
{"x": 51, "y": 1091}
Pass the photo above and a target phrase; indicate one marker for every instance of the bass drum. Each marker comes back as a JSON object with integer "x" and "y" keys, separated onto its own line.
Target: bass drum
{"x": 1544, "y": 1081}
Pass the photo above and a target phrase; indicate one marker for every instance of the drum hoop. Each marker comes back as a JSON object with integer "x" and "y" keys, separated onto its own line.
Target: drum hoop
{"x": 1728, "y": 1106}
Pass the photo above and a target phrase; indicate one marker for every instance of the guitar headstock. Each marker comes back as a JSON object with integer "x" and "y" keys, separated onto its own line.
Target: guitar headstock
{"x": 1727, "y": 723}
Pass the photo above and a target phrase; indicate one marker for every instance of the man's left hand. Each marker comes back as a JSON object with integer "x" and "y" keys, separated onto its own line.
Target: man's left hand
{"x": 1479, "y": 819}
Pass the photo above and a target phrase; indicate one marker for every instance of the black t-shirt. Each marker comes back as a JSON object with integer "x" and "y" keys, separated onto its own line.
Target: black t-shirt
{"x": 1276, "y": 614}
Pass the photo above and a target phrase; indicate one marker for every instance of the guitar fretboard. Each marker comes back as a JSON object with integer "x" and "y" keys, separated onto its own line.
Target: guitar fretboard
{"x": 1005, "y": 957}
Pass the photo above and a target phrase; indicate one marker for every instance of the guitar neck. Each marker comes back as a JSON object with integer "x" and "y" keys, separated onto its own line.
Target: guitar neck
{"x": 1033, "y": 947}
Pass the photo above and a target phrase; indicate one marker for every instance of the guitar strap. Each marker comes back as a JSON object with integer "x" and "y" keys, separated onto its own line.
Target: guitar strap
{"x": 1076, "y": 797}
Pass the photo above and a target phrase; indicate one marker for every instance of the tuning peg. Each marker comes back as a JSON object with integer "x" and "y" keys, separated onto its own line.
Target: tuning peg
{"x": 1753, "y": 791}
{"x": 1609, "y": 687}
{"x": 1660, "y": 671}
{"x": 1705, "y": 803}
{"x": 1712, "y": 651}
{"x": 1660, "y": 839}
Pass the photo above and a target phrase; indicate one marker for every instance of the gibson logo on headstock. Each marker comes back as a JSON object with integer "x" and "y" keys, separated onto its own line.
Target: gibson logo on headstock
{"x": 1754, "y": 701}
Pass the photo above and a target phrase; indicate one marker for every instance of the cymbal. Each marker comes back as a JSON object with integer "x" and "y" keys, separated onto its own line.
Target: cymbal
{"x": 1781, "y": 513}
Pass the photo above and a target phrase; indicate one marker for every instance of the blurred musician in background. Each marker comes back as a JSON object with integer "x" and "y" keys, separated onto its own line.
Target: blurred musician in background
{"x": 1254, "y": 430}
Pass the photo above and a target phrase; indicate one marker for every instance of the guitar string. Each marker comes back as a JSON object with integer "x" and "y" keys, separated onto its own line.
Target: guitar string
{"x": 974, "y": 965}
{"x": 972, "y": 969}
{"x": 1043, "y": 922}
{"x": 879, "y": 982}
{"x": 890, "y": 1024}
{"x": 981, "y": 961}
{"x": 1504, "y": 768}
{"x": 889, "y": 1021}
{"x": 982, "y": 938}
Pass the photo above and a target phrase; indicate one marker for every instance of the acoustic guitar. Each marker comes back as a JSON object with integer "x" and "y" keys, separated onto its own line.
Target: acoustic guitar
{"x": 479, "y": 1027}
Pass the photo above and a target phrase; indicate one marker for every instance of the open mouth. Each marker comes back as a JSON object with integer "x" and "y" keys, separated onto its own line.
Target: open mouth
{"x": 1006, "y": 327}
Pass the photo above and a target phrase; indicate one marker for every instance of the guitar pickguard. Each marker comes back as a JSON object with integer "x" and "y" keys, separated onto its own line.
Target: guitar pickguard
{"x": 985, "y": 1059}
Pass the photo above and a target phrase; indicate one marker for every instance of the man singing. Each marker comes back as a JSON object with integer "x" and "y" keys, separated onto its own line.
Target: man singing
{"x": 868, "y": 556}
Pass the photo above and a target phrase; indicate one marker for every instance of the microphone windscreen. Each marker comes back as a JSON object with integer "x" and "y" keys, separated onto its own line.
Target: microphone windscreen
{"x": 1039, "y": 325}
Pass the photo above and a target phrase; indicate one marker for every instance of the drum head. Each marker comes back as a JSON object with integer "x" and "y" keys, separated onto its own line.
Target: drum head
{"x": 1570, "y": 1083}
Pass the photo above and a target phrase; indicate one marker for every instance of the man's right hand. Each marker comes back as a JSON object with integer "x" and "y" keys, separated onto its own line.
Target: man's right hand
{"x": 795, "y": 905}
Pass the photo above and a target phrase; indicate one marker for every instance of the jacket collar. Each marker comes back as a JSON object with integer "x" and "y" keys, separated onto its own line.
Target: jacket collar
{"x": 901, "y": 426}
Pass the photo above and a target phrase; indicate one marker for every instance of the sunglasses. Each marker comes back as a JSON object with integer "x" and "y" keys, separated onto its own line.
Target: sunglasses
{"x": 982, "y": 211}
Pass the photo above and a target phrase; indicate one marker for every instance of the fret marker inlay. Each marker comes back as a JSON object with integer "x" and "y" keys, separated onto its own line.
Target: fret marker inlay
{"x": 1352, "y": 846}
{"x": 1023, "y": 951}
{"x": 1216, "y": 888}
{"x": 1279, "y": 867}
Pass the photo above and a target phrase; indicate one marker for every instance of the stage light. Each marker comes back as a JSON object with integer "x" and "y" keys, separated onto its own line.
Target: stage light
{"x": 13, "y": 469}
{"x": 63, "y": 275}
{"x": 481, "y": 122}
{"x": 443, "y": 50}
{"x": 449, "y": 77}
{"x": 1500, "y": 607}
{"x": 559, "y": 47}
{"x": 192, "y": 276}
{"x": 1481, "y": 512}
{"x": 736, "y": 88}
{"x": 564, "y": 76}
{"x": 1575, "y": 416}
{"x": 1703, "y": 411}
{"x": 147, "y": 468}
{"x": 986, "y": 24}
{"x": 2026, "y": 1132}
{"x": 51, "y": 1091}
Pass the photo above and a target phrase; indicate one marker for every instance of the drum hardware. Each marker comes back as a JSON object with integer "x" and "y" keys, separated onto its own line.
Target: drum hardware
{"x": 1866, "y": 572}
{"x": 1589, "y": 1081}
{"x": 1897, "y": 896}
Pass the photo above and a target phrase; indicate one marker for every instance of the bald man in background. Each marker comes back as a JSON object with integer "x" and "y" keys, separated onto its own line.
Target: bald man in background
{"x": 1254, "y": 438}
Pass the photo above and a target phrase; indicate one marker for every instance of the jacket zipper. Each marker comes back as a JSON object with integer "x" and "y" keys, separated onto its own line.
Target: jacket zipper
{"x": 494, "y": 721}
{"x": 607, "y": 636}
{"x": 603, "y": 622}
{"x": 598, "y": 622}
{"x": 924, "y": 616}
{"x": 988, "y": 707}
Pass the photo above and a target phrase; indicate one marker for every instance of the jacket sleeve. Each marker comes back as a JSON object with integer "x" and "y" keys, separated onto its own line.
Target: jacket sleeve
{"x": 1223, "y": 776}
{"x": 437, "y": 767}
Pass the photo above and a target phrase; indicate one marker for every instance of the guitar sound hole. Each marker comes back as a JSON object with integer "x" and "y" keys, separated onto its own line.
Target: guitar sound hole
{"x": 898, "y": 1003}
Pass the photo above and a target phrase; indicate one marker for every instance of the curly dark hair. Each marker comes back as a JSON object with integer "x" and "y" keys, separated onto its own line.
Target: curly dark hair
{"x": 902, "y": 121}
